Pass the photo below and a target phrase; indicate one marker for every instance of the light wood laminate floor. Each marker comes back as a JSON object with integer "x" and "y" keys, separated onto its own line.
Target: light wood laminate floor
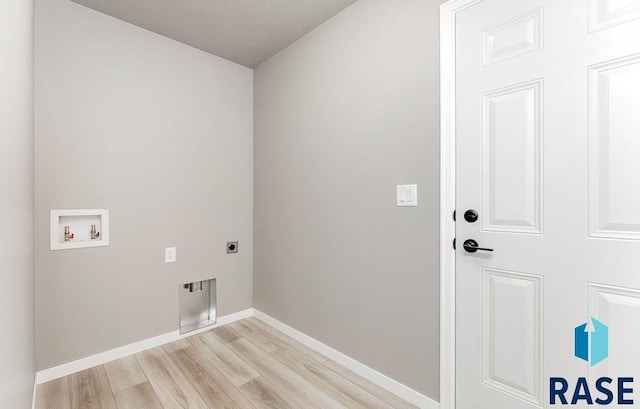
{"x": 246, "y": 364}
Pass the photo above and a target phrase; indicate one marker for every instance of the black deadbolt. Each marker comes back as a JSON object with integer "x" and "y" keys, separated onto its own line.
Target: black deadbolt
{"x": 471, "y": 216}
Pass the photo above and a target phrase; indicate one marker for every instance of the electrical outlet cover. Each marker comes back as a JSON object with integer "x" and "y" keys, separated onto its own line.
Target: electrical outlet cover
{"x": 407, "y": 195}
{"x": 170, "y": 255}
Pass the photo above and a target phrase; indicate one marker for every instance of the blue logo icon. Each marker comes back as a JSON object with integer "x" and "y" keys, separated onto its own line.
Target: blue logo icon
{"x": 592, "y": 342}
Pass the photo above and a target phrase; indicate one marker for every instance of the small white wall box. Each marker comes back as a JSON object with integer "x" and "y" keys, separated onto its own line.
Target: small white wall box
{"x": 79, "y": 222}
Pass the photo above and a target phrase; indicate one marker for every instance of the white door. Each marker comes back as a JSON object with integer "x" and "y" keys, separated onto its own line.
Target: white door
{"x": 548, "y": 154}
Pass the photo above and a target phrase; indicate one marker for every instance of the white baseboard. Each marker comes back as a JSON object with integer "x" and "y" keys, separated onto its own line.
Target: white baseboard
{"x": 69, "y": 368}
{"x": 372, "y": 375}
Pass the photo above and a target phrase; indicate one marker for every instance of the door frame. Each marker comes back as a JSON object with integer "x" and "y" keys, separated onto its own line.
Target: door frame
{"x": 448, "y": 12}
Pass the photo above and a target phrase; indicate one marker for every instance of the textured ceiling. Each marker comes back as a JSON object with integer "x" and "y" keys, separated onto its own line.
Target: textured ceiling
{"x": 244, "y": 31}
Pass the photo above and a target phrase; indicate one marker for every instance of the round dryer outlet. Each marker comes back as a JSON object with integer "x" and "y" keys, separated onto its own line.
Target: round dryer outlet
{"x": 232, "y": 247}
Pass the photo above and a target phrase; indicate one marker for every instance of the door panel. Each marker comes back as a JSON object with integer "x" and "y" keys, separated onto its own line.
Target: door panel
{"x": 512, "y": 336}
{"x": 511, "y": 38}
{"x": 619, "y": 308}
{"x": 512, "y": 166}
{"x": 607, "y": 13}
{"x": 614, "y": 101}
{"x": 548, "y": 153}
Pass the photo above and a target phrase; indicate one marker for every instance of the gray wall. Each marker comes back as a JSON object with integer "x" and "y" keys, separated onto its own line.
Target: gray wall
{"x": 159, "y": 133}
{"x": 16, "y": 204}
{"x": 341, "y": 118}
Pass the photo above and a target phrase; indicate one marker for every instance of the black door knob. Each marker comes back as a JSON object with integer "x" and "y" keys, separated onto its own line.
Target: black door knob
{"x": 471, "y": 246}
{"x": 471, "y": 216}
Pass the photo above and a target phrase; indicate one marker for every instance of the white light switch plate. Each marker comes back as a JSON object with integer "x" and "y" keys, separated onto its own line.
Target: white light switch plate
{"x": 407, "y": 196}
{"x": 170, "y": 255}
